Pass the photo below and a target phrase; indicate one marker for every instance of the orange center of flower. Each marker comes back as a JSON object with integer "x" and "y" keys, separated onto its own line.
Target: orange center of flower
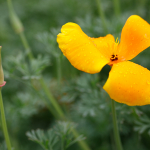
{"x": 114, "y": 57}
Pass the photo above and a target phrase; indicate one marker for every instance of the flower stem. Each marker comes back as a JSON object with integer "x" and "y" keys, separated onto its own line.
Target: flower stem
{"x": 81, "y": 143}
{"x": 102, "y": 15}
{"x": 116, "y": 7}
{"x": 58, "y": 61}
{"x": 18, "y": 28}
{"x": 26, "y": 45}
{"x": 52, "y": 99}
{"x": 4, "y": 125}
{"x": 60, "y": 112}
{"x": 116, "y": 132}
{"x": 46, "y": 102}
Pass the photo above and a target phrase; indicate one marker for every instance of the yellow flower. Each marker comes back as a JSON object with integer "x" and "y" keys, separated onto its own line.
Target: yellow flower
{"x": 128, "y": 82}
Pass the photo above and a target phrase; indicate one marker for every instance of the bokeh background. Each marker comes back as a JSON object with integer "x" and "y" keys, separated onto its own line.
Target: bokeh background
{"x": 79, "y": 94}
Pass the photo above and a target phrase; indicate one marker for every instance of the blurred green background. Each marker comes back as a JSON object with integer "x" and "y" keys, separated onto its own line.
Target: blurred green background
{"x": 79, "y": 94}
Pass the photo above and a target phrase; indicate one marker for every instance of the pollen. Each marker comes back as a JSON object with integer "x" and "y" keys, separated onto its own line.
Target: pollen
{"x": 114, "y": 57}
{"x": 117, "y": 40}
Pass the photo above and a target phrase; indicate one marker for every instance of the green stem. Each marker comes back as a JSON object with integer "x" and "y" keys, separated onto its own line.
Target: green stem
{"x": 116, "y": 7}
{"x": 10, "y": 6}
{"x": 116, "y": 132}
{"x": 134, "y": 112}
{"x": 26, "y": 45}
{"x": 59, "y": 111}
{"x": 47, "y": 91}
{"x": 58, "y": 60}
{"x": 4, "y": 125}
{"x": 102, "y": 15}
{"x": 62, "y": 143}
{"x": 52, "y": 99}
{"x": 18, "y": 27}
{"x": 46, "y": 102}
{"x": 81, "y": 143}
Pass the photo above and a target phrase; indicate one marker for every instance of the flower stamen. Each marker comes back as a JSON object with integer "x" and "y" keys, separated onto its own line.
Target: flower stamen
{"x": 114, "y": 57}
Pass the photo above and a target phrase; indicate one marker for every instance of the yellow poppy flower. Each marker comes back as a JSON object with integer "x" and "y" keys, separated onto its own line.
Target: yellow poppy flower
{"x": 128, "y": 82}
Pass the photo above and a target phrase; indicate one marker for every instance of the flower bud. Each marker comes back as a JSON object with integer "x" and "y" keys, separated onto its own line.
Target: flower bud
{"x": 2, "y": 82}
{"x": 16, "y": 23}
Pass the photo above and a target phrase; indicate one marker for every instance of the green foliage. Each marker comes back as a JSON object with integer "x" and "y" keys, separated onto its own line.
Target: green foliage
{"x": 46, "y": 141}
{"x": 80, "y": 95}
{"x": 49, "y": 41}
{"x": 3, "y": 146}
{"x": 87, "y": 93}
{"x": 28, "y": 70}
{"x": 59, "y": 137}
{"x": 143, "y": 125}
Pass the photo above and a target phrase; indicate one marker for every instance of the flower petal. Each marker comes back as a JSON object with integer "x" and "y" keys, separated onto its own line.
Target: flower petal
{"x": 135, "y": 37}
{"x": 129, "y": 83}
{"x": 79, "y": 49}
{"x": 105, "y": 45}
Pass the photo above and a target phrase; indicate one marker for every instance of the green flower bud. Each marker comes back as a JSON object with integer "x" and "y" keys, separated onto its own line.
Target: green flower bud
{"x": 1, "y": 70}
{"x": 16, "y": 23}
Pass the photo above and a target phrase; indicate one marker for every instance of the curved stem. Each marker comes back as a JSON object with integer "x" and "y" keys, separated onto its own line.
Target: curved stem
{"x": 26, "y": 45}
{"x": 58, "y": 61}
{"x": 102, "y": 15}
{"x": 116, "y": 132}
{"x": 82, "y": 143}
{"x": 116, "y": 7}
{"x": 10, "y": 6}
{"x": 4, "y": 125}
{"x": 52, "y": 99}
{"x": 46, "y": 102}
{"x": 19, "y": 28}
{"x": 60, "y": 112}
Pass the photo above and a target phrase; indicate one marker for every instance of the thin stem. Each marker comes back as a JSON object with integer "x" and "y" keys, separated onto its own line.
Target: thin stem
{"x": 81, "y": 143}
{"x": 116, "y": 132}
{"x": 4, "y": 125}
{"x": 62, "y": 143}
{"x": 135, "y": 113}
{"x": 102, "y": 15}
{"x": 26, "y": 45}
{"x": 47, "y": 91}
{"x": 18, "y": 27}
{"x": 46, "y": 102}
{"x": 60, "y": 112}
{"x": 116, "y": 7}
{"x": 52, "y": 99}
{"x": 10, "y": 5}
{"x": 58, "y": 60}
